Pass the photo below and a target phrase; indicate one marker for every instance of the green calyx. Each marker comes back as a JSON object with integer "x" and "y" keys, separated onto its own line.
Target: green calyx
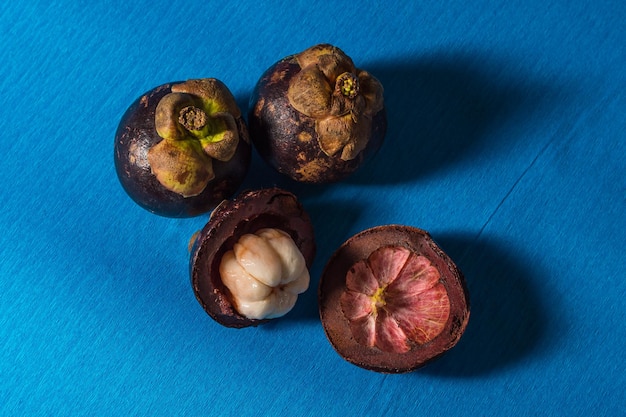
{"x": 197, "y": 122}
{"x": 200, "y": 126}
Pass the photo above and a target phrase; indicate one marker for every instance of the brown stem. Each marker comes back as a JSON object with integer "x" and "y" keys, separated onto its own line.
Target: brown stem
{"x": 192, "y": 118}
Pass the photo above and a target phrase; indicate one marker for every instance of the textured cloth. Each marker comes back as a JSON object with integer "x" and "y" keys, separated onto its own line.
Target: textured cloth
{"x": 506, "y": 140}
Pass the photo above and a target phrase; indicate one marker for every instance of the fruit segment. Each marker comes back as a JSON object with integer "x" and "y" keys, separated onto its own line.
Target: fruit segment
{"x": 264, "y": 273}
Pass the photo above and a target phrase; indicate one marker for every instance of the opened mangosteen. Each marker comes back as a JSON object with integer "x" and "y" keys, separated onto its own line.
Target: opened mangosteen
{"x": 252, "y": 259}
{"x": 315, "y": 117}
{"x": 182, "y": 148}
{"x": 391, "y": 300}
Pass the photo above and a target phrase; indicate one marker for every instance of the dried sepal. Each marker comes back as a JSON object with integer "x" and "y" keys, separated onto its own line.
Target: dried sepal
{"x": 331, "y": 60}
{"x": 180, "y": 167}
{"x": 372, "y": 90}
{"x": 222, "y": 144}
{"x": 310, "y": 92}
{"x": 216, "y": 96}
{"x": 167, "y": 114}
{"x": 342, "y": 135}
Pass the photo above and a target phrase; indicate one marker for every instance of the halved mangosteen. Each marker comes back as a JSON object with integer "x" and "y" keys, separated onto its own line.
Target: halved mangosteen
{"x": 251, "y": 260}
{"x": 391, "y": 300}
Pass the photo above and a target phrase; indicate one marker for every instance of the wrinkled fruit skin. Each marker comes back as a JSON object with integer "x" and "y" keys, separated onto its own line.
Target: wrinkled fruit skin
{"x": 136, "y": 135}
{"x": 288, "y": 139}
{"x": 247, "y": 213}
{"x": 385, "y": 321}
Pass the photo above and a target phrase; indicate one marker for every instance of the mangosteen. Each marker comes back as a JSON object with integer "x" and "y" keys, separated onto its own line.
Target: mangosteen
{"x": 182, "y": 148}
{"x": 251, "y": 260}
{"x": 315, "y": 117}
{"x": 391, "y": 300}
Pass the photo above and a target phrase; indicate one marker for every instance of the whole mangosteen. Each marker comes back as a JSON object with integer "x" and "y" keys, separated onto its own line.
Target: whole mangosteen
{"x": 251, "y": 260}
{"x": 315, "y": 117}
{"x": 182, "y": 148}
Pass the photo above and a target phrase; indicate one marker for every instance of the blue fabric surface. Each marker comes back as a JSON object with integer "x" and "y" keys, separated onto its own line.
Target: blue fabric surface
{"x": 506, "y": 141}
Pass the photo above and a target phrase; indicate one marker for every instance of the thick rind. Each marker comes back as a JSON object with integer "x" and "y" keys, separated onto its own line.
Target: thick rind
{"x": 286, "y": 139}
{"x": 333, "y": 283}
{"x": 136, "y": 134}
{"x": 249, "y": 212}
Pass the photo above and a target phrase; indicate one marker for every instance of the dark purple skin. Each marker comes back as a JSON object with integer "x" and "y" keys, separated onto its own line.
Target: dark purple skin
{"x": 136, "y": 134}
{"x": 247, "y": 213}
{"x": 274, "y": 126}
{"x": 333, "y": 283}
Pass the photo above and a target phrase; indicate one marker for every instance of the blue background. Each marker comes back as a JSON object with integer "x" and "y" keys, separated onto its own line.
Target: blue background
{"x": 506, "y": 141}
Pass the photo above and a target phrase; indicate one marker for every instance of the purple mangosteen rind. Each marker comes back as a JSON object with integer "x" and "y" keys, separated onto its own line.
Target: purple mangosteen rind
{"x": 290, "y": 141}
{"x": 247, "y": 213}
{"x": 137, "y": 134}
{"x": 333, "y": 284}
